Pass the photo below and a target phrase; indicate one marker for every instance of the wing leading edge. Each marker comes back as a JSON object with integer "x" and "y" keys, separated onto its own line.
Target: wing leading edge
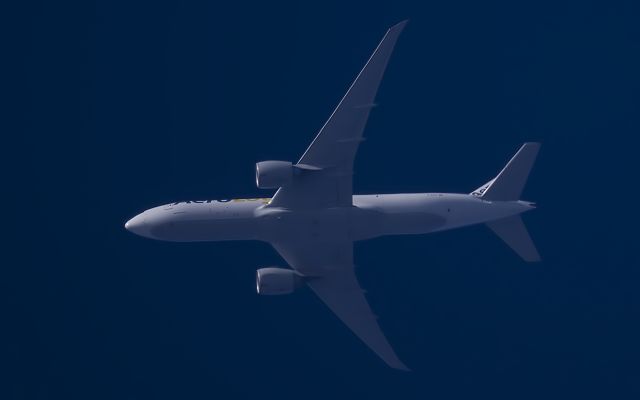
{"x": 334, "y": 148}
{"x": 331, "y": 276}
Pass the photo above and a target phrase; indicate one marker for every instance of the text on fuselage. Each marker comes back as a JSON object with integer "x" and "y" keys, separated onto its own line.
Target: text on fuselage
{"x": 262, "y": 200}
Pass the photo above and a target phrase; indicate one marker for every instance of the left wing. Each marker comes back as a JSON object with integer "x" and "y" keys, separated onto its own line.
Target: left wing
{"x": 327, "y": 165}
{"x": 330, "y": 272}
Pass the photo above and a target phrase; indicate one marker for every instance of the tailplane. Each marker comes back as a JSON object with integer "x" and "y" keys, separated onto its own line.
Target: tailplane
{"x": 508, "y": 186}
{"x": 513, "y": 232}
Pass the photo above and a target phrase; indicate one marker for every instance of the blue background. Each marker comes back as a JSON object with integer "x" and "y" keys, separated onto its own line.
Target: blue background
{"x": 118, "y": 106}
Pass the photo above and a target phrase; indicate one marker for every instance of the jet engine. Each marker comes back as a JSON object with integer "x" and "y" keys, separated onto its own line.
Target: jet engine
{"x": 272, "y": 281}
{"x": 273, "y": 174}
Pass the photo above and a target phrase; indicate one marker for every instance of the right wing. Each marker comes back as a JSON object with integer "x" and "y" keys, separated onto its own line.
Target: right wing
{"x": 332, "y": 152}
{"x": 330, "y": 272}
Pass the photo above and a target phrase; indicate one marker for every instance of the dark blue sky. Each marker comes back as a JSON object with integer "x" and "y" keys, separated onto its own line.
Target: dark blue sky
{"x": 117, "y": 106}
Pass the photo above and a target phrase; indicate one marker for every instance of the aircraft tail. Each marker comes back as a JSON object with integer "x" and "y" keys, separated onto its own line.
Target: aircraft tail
{"x": 513, "y": 232}
{"x": 508, "y": 186}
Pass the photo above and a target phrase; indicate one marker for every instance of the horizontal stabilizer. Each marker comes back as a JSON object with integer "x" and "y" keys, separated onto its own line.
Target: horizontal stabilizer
{"x": 513, "y": 232}
{"x": 508, "y": 185}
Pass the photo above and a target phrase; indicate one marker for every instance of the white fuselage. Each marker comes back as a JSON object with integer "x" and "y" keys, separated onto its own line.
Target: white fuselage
{"x": 370, "y": 216}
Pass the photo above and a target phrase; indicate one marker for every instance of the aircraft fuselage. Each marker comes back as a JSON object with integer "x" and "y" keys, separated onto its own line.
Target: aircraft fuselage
{"x": 371, "y": 216}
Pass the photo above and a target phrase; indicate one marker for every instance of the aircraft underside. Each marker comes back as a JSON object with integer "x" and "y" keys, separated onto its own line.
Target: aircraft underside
{"x": 313, "y": 219}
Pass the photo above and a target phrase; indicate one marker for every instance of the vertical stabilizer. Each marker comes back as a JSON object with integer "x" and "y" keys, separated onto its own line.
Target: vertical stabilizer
{"x": 513, "y": 232}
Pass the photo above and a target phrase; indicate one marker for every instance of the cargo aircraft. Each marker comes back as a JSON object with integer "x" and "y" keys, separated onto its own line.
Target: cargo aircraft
{"x": 314, "y": 218}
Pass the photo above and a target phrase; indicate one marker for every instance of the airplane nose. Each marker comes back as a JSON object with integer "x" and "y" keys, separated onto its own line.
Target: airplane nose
{"x": 137, "y": 225}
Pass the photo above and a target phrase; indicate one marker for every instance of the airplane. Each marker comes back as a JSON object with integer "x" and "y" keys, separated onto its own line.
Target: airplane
{"x": 314, "y": 218}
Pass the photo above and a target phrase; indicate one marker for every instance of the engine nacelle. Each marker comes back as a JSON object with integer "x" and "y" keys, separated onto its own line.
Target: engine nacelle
{"x": 272, "y": 281}
{"x": 273, "y": 174}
